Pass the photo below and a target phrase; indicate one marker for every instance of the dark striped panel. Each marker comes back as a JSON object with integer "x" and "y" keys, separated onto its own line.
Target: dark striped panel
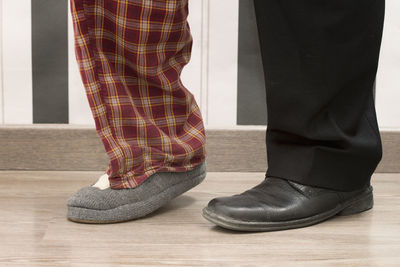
{"x": 251, "y": 103}
{"x": 50, "y": 61}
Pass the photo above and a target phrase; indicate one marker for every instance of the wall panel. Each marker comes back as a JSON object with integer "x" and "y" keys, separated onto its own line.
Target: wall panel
{"x": 17, "y": 61}
{"x": 221, "y": 75}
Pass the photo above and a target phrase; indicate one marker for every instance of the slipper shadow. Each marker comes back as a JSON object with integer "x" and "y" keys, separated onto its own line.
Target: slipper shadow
{"x": 177, "y": 203}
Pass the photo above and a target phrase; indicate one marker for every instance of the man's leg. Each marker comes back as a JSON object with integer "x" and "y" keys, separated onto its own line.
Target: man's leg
{"x": 320, "y": 60}
{"x": 323, "y": 142}
{"x": 131, "y": 54}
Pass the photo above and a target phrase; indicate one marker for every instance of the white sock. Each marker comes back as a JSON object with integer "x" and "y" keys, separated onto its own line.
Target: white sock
{"x": 103, "y": 182}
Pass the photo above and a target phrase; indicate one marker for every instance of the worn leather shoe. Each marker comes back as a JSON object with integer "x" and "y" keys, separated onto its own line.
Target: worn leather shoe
{"x": 279, "y": 204}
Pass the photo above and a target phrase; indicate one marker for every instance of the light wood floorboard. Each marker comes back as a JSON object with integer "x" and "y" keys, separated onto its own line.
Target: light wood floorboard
{"x": 34, "y": 231}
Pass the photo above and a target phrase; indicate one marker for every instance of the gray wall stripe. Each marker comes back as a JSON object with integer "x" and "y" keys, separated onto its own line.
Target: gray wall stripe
{"x": 50, "y": 61}
{"x": 251, "y": 103}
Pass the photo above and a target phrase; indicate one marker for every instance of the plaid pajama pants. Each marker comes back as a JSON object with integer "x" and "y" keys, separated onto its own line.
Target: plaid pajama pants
{"x": 130, "y": 55}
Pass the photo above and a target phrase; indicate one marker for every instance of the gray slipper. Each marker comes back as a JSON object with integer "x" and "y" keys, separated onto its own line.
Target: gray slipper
{"x": 93, "y": 205}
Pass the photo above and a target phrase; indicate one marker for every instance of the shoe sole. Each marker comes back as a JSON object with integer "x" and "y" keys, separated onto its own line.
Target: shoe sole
{"x": 135, "y": 210}
{"x": 361, "y": 203}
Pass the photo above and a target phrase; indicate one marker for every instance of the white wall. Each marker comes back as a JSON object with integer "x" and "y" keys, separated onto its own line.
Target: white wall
{"x": 16, "y": 54}
{"x": 211, "y": 74}
{"x": 388, "y": 80}
{"x": 79, "y": 111}
{"x": 1, "y": 64}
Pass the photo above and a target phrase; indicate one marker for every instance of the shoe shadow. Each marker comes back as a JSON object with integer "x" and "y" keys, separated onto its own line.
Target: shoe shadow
{"x": 221, "y": 230}
{"x": 177, "y": 203}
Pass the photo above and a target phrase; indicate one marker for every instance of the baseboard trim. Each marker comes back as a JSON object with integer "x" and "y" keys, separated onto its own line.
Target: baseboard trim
{"x": 78, "y": 148}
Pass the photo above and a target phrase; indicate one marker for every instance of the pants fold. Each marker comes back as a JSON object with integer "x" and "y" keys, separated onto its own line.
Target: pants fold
{"x": 131, "y": 54}
{"x": 320, "y": 60}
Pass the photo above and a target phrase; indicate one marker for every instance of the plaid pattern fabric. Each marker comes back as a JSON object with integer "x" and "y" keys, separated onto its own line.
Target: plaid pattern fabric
{"x": 131, "y": 54}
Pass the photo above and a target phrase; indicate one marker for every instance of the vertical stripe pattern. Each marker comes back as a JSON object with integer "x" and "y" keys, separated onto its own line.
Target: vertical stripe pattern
{"x": 252, "y": 108}
{"x": 17, "y": 61}
{"x": 50, "y": 61}
{"x": 131, "y": 54}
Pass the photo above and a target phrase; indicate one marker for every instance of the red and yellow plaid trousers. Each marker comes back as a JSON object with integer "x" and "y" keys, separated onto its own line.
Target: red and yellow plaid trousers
{"x": 130, "y": 54}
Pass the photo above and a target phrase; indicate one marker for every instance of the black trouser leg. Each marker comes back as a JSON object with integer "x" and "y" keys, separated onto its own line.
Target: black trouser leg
{"x": 320, "y": 59}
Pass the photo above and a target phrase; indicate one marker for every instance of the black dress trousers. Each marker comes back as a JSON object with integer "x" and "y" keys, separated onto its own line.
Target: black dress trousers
{"x": 320, "y": 60}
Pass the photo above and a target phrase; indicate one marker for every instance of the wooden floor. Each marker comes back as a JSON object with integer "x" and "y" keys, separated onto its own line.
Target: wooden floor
{"x": 34, "y": 231}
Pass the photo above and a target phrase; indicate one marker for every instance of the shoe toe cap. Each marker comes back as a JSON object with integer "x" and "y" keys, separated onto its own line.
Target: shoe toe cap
{"x": 89, "y": 198}
{"x": 233, "y": 207}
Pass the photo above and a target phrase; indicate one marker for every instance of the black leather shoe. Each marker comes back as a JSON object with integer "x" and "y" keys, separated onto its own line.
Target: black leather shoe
{"x": 279, "y": 204}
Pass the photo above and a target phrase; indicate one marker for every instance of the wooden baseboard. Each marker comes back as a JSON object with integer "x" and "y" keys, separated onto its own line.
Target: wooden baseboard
{"x": 66, "y": 147}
